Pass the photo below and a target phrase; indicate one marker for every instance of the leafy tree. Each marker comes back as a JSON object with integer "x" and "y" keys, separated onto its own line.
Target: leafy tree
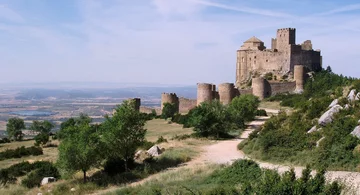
{"x": 328, "y": 69}
{"x": 83, "y": 119}
{"x": 243, "y": 109}
{"x": 41, "y": 139}
{"x": 211, "y": 119}
{"x": 81, "y": 150}
{"x": 124, "y": 132}
{"x": 14, "y": 127}
{"x": 168, "y": 111}
{"x": 42, "y": 126}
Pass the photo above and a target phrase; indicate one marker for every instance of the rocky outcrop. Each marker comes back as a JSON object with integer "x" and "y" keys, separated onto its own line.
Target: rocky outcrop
{"x": 352, "y": 95}
{"x": 356, "y": 132}
{"x": 327, "y": 117}
{"x": 154, "y": 151}
{"x": 333, "y": 103}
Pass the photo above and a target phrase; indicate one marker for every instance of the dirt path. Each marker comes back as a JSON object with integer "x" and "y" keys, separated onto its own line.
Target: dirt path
{"x": 225, "y": 152}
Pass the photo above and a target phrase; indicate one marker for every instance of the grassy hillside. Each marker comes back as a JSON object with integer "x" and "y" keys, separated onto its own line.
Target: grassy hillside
{"x": 284, "y": 138}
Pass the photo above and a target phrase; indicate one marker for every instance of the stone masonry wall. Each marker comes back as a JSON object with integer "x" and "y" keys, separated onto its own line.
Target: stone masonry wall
{"x": 277, "y": 88}
{"x": 186, "y": 104}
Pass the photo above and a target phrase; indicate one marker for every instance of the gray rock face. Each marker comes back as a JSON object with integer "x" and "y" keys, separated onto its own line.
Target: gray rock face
{"x": 333, "y": 103}
{"x": 47, "y": 180}
{"x": 313, "y": 129}
{"x": 154, "y": 151}
{"x": 352, "y": 95}
{"x": 356, "y": 132}
{"x": 327, "y": 117}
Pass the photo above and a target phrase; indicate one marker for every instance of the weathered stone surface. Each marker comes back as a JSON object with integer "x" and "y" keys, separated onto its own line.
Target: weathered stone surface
{"x": 327, "y": 117}
{"x": 352, "y": 95}
{"x": 154, "y": 151}
{"x": 333, "y": 103}
{"x": 313, "y": 129}
{"x": 356, "y": 132}
{"x": 47, "y": 180}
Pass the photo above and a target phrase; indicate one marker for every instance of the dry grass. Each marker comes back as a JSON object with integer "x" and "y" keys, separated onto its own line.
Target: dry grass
{"x": 160, "y": 127}
{"x": 14, "y": 145}
{"x": 50, "y": 154}
{"x": 270, "y": 105}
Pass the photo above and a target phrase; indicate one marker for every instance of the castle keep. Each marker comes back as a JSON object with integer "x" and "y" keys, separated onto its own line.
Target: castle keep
{"x": 254, "y": 59}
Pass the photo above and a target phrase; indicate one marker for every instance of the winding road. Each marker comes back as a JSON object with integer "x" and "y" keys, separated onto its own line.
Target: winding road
{"x": 226, "y": 152}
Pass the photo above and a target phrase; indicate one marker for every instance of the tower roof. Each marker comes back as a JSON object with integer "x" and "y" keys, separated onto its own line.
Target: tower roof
{"x": 253, "y": 40}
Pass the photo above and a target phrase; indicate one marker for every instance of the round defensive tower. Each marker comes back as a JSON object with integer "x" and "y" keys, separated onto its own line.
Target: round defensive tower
{"x": 226, "y": 92}
{"x": 299, "y": 76}
{"x": 259, "y": 87}
{"x": 169, "y": 98}
{"x": 204, "y": 92}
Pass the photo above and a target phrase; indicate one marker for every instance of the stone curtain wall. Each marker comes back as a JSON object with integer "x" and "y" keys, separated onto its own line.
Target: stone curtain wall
{"x": 186, "y": 104}
{"x": 282, "y": 87}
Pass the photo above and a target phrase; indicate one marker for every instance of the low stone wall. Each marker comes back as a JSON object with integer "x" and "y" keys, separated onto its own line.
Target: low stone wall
{"x": 245, "y": 91}
{"x": 277, "y": 88}
{"x": 186, "y": 104}
{"x": 148, "y": 110}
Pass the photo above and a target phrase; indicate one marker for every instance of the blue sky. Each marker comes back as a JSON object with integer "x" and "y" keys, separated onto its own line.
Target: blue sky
{"x": 162, "y": 41}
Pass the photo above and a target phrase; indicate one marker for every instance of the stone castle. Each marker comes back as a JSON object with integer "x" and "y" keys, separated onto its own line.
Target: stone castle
{"x": 254, "y": 59}
{"x": 286, "y": 62}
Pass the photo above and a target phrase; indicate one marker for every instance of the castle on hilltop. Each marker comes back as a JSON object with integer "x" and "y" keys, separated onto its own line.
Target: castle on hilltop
{"x": 259, "y": 71}
{"x": 254, "y": 59}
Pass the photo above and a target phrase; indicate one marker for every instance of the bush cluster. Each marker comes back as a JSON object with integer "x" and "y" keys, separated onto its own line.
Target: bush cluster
{"x": 21, "y": 152}
{"x": 35, "y": 177}
{"x": 10, "y": 175}
{"x": 245, "y": 177}
{"x": 213, "y": 119}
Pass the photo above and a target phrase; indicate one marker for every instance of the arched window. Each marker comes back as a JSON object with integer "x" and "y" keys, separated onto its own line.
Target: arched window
{"x": 243, "y": 59}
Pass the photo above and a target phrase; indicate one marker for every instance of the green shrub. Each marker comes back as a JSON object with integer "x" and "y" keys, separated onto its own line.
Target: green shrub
{"x": 261, "y": 112}
{"x": 41, "y": 139}
{"x": 161, "y": 139}
{"x": 21, "y": 152}
{"x": 35, "y": 177}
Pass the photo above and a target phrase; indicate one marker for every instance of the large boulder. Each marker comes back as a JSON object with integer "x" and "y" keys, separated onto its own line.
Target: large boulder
{"x": 356, "y": 132}
{"x": 47, "y": 180}
{"x": 333, "y": 103}
{"x": 352, "y": 95}
{"x": 327, "y": 117}
{"x": 154, "y": 151}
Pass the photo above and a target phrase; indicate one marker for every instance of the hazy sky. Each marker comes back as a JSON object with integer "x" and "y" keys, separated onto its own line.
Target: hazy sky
{"x": 162, "y": 41}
